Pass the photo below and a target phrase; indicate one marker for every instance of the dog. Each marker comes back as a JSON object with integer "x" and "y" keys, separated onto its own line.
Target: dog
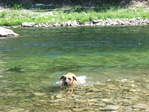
{"x": 69, "y": 81}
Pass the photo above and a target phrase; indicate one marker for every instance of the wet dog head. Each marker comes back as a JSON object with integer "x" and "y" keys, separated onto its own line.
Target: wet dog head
{"x": 69, "y": 80}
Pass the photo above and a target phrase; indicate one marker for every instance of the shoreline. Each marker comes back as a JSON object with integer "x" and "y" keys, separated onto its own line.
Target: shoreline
{"x": 99, "y": 22}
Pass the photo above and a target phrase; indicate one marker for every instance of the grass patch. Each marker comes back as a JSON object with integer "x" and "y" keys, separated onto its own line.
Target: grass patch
{"x": 16, "y": 17}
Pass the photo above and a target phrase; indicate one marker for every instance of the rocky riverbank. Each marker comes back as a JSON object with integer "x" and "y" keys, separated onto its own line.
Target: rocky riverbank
{"x": 99, "y": 22}
{"x": 108, "y": 22}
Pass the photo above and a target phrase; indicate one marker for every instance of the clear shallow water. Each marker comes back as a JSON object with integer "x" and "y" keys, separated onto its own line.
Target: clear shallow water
{"x": 37, "y": 59}
{"x": 91, "y": 51}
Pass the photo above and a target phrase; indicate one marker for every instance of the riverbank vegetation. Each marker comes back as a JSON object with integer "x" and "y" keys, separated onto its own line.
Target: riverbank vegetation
{"x": 18, "y": 15}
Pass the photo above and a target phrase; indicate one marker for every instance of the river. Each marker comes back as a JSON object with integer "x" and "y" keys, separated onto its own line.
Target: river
{"x": 37, "y": 59}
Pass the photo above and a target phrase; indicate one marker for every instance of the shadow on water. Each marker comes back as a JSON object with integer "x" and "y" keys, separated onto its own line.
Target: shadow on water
{"x": 15, "y": 69}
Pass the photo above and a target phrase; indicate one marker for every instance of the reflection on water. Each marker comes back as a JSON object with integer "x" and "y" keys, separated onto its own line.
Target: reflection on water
{"x": 35, "y": 61}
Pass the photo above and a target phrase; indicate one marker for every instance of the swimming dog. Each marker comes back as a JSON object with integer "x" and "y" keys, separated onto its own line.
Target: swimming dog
{"x": 69, "y": 82}
{"x": 69, "y": 79}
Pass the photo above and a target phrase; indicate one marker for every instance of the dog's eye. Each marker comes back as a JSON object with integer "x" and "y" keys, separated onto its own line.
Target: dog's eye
{"x": 69, "y": 79}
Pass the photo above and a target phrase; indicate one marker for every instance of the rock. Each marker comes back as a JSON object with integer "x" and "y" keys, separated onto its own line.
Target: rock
{"x": 100, "y": 104}
{"x": 106, "y": 100}
{"x": 124, "y": 80}
{"x": 94, "y": 90}
{"x": 146, "y": 86}
{"x": 70, "y": 23}
{"x": 80, "y": 101}
{"x": 140, "y": 106}
{"x": 52, "y": 97}
{"x": 7, "y": 33}
{"x": 26, "y": 24}
{"x": 110, "y": 108}
{"x": 75, "y": 23}
{"x": 91, "y": 93}
{"x": 114, "y": 23}
{"x": 66, "y": 110}
{"x": 96, "y": 21}
{"x": 98, "y": 24}
{"x": 39, "y": 94}
{"x": 89, "y": 23}
{"x": 58, "y": 96}
{"x": 77, "y": 109}
{"x": 147, "y": 21}
{"x": 56, "y": 25}
{"x": 17, "y": 110}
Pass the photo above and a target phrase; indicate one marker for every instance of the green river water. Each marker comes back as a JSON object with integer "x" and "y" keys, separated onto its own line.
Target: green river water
{"x": 35, "y": 61}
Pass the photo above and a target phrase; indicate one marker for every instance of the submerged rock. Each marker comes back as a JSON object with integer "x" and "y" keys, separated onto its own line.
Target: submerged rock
{"x": 17, "y": 110}
{"x": 58, "y": 96}
{"x": 39, "y": 94}
{"x": 141, "y": 106}
{"x": 7, "y": 33}
{"x": 110, "y": 108}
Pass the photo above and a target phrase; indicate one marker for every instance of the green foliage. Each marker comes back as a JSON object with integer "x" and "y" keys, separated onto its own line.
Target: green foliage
{"x": 3, "y": 14}
{"x": 20, "y": 6}
{"x": 79, "y": 9}
{"x": 16, "y": 7}
{"x": 16, "y": 17}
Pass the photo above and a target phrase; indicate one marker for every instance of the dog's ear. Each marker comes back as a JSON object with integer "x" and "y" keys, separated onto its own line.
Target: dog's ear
{"x": 74, "y": 78}
{"x": 62, "y": 78}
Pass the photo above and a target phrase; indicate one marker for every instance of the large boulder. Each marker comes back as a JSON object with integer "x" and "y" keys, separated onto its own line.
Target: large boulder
{"x": 7, "y": 33}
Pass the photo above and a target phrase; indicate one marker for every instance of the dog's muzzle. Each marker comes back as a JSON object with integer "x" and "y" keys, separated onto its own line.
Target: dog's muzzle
{"x": 65, "y": 83}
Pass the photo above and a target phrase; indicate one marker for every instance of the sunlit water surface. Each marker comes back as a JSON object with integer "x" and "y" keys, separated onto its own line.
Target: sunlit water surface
{"x": 36, "y": 60}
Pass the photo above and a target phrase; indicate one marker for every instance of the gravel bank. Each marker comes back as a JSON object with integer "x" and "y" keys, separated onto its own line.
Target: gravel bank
{"x": 108, "y": 22}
